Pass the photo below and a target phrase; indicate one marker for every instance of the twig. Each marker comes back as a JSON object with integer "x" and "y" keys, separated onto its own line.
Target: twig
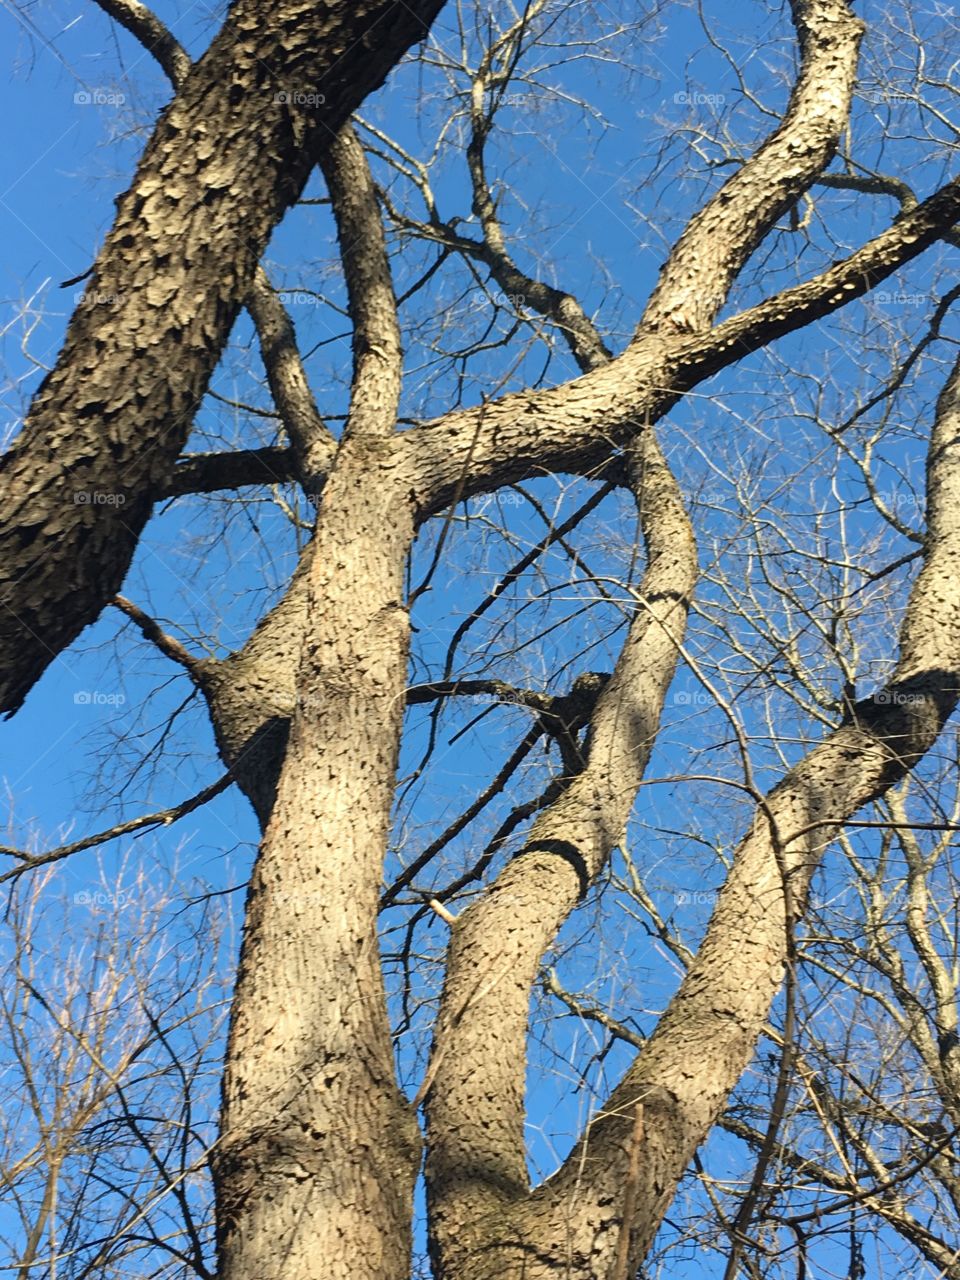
{"x": 165, "y": 818}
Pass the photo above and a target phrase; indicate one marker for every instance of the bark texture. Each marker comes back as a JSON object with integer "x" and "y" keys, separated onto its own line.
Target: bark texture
{"x": 486, "y": 1222}
{"x": 319, "y": 1150}
{"x": 315, "y": 1165}
{"x": 228, "y": 156}
{"x": 476, "y": 1163}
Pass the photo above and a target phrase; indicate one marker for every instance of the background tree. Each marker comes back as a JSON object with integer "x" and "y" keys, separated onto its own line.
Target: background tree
{"x": 787, "y": 559}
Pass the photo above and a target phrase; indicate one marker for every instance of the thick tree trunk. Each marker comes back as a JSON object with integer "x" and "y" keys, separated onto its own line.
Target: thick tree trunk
{"x": 228, "y": 157}
{"x": 316, "y": 1163}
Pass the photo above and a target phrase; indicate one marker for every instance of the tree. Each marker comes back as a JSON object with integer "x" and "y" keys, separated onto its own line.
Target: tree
{"x": 319, "y": 1146}
{"x": 107, "y": 1078}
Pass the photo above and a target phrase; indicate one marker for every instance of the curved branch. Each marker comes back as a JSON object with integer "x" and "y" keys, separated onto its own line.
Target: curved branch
{"x": 726, "y": 994}
{"x": 155, "y": 37}
{"x": 476, "y": 1163}
{"x": 313, "y": 445}
{"x": 719, "y": 240}
{"x": 150, "y": 629}
{"x": 576, "y": 427}
{"x": 562, "y": 308}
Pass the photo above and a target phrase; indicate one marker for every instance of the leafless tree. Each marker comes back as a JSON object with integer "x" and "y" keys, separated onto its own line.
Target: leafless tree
{"x": 113, "y": 1024}
{"x": 388, "y": 905}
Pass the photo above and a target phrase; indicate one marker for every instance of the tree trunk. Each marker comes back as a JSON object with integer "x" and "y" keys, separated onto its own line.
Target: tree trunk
{"x": 319, "y": 1150}
{"x": 228, "y": 157}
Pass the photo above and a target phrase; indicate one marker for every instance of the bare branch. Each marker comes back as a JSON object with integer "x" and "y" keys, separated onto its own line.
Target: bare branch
{"x": 212, "y": 472}
{"x": 476, "y": 1157}
{"x": 155, "y": 37}
{"x": 729, "y": 987}
{"x": 707, "y": 258}
{"x": 167, "y": 644}
{"x": 377, "y": 359}
{"x": 164, "y": 818}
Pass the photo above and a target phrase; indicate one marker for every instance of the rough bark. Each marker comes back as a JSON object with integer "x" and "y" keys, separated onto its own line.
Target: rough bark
{"x": 487, "y": 1223}
{"x": 228, "y": 156}
{"x": 476, "y": 1163}
{"x": 574, "y": 427}
{"x": 719, "y": 240}
{"x": 252, "y": 694}
{"x": 319, "y": 1150}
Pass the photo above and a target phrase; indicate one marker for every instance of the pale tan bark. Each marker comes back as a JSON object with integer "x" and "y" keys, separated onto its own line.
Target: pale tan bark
{"x": 571, "y": 1223}
{"x": 476, "y": 1164}
{"x": 719, "y": 240}
{"x": 319, "y": 1150}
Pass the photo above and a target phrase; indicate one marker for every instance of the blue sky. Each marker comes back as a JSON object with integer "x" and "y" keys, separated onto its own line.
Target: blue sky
{"x": 604, "y": 195}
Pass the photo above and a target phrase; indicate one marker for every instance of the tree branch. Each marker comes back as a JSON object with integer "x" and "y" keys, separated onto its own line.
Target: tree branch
{"x": 155, "y": 37}
{"x": 718, "y": 241}
{"x": 577, "y": 426}
{"x": 212, "y": 472}
{"x": 377, "y": 358}
{"x": 476, "y": 1163}
{"x": 726, "y": 994}
{"x": 151, "y": 630}
{"x": 164, "y": 818}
